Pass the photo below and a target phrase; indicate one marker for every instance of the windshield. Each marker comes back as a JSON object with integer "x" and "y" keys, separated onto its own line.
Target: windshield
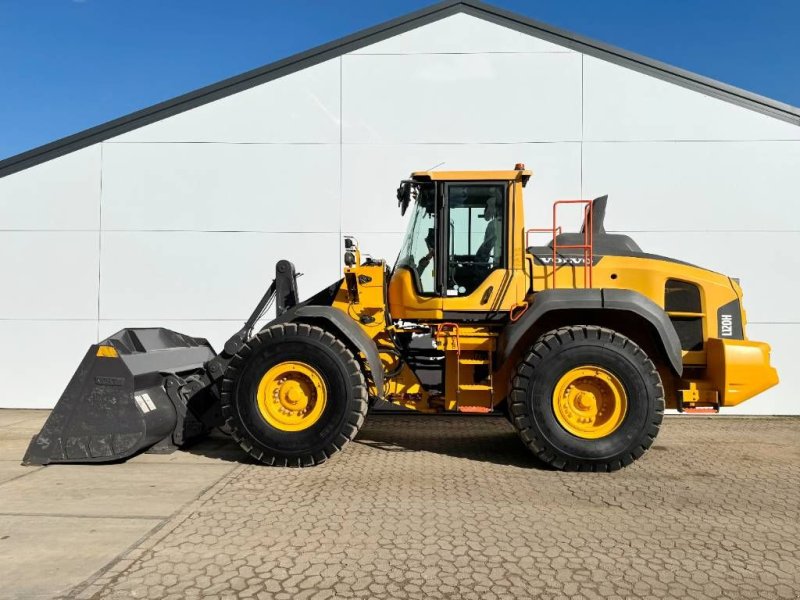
{"x": 417, "y": 250}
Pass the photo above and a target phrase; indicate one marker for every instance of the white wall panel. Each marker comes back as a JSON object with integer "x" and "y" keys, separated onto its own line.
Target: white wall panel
{"x": 48, "y": 274}
{"x": 63, "y": 193}
{"x": 755, "y": 258}
{"x": 196, "y": 276}
{"x": 621, "y": 104}
{"x": 694, "y": 186}
{"x": 221, "y": 187}
{"x": 460, "y": 34}
{"x": 779, "y": 400}
{"x": 38, "y": 358}
{"x": 301, "y": 107}
{"x": 461, "y": 98}
{"x": 371, "y": 174}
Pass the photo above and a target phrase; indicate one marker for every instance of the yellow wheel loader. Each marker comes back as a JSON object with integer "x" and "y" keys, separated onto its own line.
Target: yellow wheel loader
{"x": 582, "y": 343}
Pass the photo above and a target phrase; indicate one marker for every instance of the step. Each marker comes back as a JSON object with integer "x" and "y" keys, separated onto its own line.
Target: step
{"x": 473, "y": 361}
{"x": 474, "y": 409}
{"x": 699, "y": 410}
{"x": 474, "y": 387}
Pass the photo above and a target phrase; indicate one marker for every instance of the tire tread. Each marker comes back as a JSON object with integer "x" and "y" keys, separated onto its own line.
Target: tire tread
{"x": 353, "y": 421}
{"x": 526, "y": 372}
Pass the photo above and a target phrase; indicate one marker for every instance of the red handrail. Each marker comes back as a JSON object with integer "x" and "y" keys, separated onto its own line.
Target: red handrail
{"x": 587, "y": 246}
{"x": 540, "y": 230}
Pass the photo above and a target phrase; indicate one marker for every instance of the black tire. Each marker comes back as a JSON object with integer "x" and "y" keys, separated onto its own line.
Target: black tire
{"x": 553, "y": 355}
{"x": 345, "y": 408}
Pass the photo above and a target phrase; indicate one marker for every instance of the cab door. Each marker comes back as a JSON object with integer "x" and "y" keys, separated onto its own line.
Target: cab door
{"x": 474, "y": 275}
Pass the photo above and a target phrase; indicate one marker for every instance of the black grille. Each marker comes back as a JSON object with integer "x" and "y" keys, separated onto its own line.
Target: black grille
{"x": 680, "y": 296}
{"x": 690, "y": 332}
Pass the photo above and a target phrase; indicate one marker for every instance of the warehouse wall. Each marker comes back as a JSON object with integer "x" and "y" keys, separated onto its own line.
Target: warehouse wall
{"x": 180, "y": 222}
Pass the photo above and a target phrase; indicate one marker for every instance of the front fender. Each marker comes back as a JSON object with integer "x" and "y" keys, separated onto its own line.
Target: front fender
{"x": 347, "y": 329}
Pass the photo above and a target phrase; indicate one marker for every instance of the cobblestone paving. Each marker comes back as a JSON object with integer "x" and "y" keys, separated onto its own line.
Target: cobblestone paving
{"x": 432, "y": 507}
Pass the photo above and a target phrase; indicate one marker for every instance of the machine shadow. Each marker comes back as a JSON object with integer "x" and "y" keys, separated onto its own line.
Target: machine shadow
{"x": 481, "y": 438}
{"x": 220, "y": 446}
{"x": 488, "y": 439}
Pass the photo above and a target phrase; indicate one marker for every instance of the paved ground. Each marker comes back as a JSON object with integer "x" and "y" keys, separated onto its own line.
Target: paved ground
{"x": 420, "y": 507}
{"x": 60, "y": 525}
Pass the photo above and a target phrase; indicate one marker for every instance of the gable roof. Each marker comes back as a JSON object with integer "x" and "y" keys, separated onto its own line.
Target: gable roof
{"x": 381, "y": 32}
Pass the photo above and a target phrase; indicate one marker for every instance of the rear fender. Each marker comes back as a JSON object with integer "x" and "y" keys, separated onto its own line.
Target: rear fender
{"x": 518, "y": 334}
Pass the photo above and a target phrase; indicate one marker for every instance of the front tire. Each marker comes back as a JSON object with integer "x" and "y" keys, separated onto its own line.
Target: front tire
{"x": 587, "y": 398}
{"x": 294, "y": 395}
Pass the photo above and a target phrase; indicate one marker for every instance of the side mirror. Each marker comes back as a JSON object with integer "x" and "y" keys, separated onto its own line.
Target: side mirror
{"x": 404, "y": 196}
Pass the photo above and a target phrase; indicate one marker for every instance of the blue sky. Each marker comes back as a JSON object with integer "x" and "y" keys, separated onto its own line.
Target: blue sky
{"x": 70, "y": 64}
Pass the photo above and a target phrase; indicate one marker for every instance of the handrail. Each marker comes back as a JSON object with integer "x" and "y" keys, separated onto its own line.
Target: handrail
{"x": 528, "y": 233}
{"x": 587, "y": 246}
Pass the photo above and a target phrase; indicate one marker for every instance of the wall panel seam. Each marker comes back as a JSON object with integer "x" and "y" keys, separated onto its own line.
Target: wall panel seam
{"x": 583, "y": 102}
{"x": 99, "y": 244}
{"x": 462, "y": 142}
{"x": 250, "y": 231}
{"x": 219, "y": 142}
{"x": 341, "y": 157}
{"x": 697, "y": 141}
{"x": 48, "y": 319}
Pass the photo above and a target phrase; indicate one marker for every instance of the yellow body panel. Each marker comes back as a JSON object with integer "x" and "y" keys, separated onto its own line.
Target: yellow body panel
{"x": 739, "y": 369}
{"x": 406, "y": 303}
{"x": 648, "y": 276}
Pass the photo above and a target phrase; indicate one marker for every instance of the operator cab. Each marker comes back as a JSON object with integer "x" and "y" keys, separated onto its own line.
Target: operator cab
{"x": 456, "y": 251}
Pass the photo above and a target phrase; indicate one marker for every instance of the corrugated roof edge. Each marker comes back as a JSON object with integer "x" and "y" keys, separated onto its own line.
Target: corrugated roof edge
{"x": 383, "y": 31}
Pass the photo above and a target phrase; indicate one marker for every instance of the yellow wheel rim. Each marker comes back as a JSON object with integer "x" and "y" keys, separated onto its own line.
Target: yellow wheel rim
{"x": 590, "y": 402}
{"x": 291, "y": 396}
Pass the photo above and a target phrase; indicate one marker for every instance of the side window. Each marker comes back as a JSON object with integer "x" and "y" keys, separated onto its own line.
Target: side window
{"x": 418, "y": 249}
{"x": 477, "y": 235}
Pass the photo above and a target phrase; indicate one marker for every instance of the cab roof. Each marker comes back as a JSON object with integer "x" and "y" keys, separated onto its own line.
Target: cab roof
{"x": 521, "y": 174}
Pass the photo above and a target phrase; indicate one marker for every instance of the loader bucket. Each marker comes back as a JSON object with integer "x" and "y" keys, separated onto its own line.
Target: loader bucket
{"x": 117, "y": 404}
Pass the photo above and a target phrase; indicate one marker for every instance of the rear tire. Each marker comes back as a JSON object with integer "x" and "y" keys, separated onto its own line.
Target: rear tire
{"x": 534, "y": 399}
{"x": 335, "y": 368}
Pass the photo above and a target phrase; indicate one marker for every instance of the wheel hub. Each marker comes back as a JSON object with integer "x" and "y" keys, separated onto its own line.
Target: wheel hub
{"x": 291, "y": 396}
{"x": 589, "y": 402}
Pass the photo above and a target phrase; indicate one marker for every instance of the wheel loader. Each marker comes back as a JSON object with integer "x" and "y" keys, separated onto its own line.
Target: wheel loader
{"x": 581, "y": 343}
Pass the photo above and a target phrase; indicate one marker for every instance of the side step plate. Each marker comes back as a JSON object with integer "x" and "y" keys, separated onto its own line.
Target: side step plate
{"x": 475, "y": 409}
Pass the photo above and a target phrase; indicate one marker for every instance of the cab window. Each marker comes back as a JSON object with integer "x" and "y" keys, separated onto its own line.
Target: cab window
{"x": 476, "y": 235}
{"x": 418, "y": 250}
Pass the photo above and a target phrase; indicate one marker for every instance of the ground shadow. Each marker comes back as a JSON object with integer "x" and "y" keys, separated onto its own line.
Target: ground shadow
{"x": 221, "y": 446}
{"x": 481, "y": 438}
